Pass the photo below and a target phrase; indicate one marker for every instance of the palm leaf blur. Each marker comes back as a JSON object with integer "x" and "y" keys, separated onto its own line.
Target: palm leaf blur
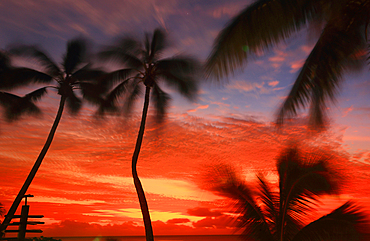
{"x": 265, "y": 23}
{"x": 280, "y": 213}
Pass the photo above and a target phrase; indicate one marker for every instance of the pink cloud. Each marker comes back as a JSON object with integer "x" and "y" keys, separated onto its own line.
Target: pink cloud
{"x": 347, "y": 111}
{"x": 246, "y": 86}
{"x": 273, "y": 83}
{"x": 201, "y": 107}
{"x": 296, "y": 65}
{"x": 277, "y": 59}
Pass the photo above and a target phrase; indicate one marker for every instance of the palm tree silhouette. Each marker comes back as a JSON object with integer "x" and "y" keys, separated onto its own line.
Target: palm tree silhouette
{"x": 266, "y": 214}
{"x": 75, "y": 73}
{"x": 267, "y": 22}
{"x": 145, "y": 67}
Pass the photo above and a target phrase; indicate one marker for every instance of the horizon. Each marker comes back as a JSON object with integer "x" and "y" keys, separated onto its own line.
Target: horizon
{"x": 84, "y": 183}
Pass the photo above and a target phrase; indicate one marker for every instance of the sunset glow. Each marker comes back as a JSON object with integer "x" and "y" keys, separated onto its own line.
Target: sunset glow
{"x": 84, "y": 186}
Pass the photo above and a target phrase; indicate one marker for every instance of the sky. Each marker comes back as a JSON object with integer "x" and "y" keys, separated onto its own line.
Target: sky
{"x": 84, "y": 185}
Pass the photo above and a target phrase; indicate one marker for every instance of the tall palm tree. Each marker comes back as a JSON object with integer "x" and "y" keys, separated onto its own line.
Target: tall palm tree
{"x": 146, "y": 68}
{"x": 74, "y": 73}
{"x": 266, "y": 214}
{"x": 267, "y": 22}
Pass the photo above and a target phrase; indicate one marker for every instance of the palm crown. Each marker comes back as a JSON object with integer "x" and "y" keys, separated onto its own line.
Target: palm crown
{"x": 267, "y": 22}
{"x": 74, "y": 73}
{"x": 145, "y": 65}
{"x": 265, "y": 214}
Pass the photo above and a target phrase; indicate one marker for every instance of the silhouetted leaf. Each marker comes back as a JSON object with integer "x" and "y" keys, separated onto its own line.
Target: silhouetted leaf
{"x": 73, "y": 104}
{"x": 133, "y": 93}
{"x": 76, "y": 54}
{"x": 161, "y": 101}
{"x": 16, "y": 106}
{"x": 180, "y": 73}
{"x": 17, "y": 77}
{"x": 109, "y": 80}
{"x": 256, "y": 28}
{"x": 122, "y": 56}
{"x": 158, "y": 44}
{"x": 347, "y": 222}
{"x": 36, "y": 94}
{"x": 34, "y": 52}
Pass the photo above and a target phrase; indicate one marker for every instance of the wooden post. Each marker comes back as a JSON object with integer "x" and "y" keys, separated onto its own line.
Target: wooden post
{"x": 23, "y": 223}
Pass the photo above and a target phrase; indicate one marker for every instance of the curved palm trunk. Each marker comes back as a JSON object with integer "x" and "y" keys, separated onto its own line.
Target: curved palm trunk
{"x": 139, "y": 188}
{"x": 34, "y": 169}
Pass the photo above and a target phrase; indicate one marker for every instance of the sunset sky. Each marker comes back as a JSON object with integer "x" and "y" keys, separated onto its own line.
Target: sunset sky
{"x": 84, "y": 186}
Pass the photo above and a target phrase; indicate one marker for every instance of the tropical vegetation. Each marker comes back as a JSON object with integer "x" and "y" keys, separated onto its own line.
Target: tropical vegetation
{"x": 281, "y": 212}
{"x": 145, "y": 67}
{"x": 341, "y": 46}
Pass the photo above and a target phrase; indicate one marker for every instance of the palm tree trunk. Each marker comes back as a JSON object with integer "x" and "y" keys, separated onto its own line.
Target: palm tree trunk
{"x": 34, "y": 169}
{"x": 139, "y": 188}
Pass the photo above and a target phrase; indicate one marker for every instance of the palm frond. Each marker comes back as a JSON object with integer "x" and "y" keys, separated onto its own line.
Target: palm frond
{"x": 107, "y": 81}
{"x": 135, "y": 90}
{"x": 258, "y": 27}
{"x": 74, "y": 104}
{"x": 158, "y": 44}
{"x": 16, "y": 106}
{"x": 91, "y": 92}
{"x": 186, "y": 65}
{"x": 321, "y": 75}
{"x": 5, "y": 62}
{"x": 36, "y": 94}
{"x": 6, "y": 99}
{"x": 108, "y": 104}
{"x": 16, "y": 77}
{"x": 76, "y": 54}
{"x": 271, "y": 203}
{"x": 223, "y": 180}
{"x": 161, "y": 101}
{"x": 122, "y": 55}
{"x": 180, "y": 72}
{"x": 302, "y": 179}
{"x": 146, "y": 51}
{"x": 348, "y": 222}
{"x": 51, "y": 68}
{"x": 2, "y": 210}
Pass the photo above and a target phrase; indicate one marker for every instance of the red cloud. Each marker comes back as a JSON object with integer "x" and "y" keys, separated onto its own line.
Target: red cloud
{"x": 204, "y": 212}
{"x": 178, "y": 220}
{"x": 221, "y": 222}
{"x": 75, "y": 228}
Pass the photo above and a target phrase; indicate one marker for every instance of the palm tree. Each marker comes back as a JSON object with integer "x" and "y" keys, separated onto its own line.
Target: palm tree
{"x": 74, "y": 74}
{"x": 266, "y": 214}
{"x": 146, "y": 68}
{"x": 267, "y": 22}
